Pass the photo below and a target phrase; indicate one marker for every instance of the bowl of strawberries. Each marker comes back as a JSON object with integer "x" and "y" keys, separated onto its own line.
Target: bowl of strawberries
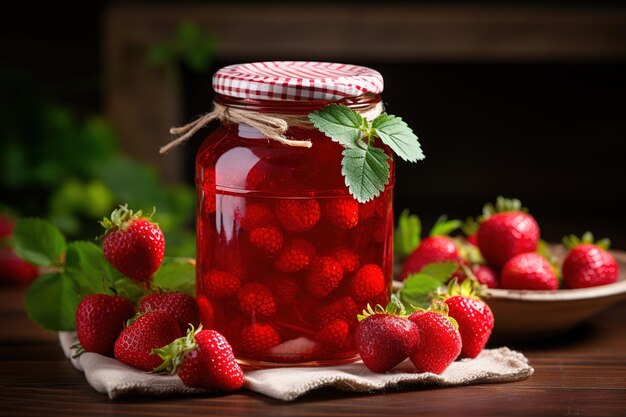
{"x": 535, "y": 290}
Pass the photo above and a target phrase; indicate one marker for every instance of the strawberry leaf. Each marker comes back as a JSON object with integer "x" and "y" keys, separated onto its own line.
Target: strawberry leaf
{"x": 340, "y": 123}
{"x": 39, "y": 242}
{"x": 407, "y": 234}
{"x": 396, "y": 134}
{"x": 89, "y": 269}
{"x": 176, "y": 277}
{"x": 51, "y": 302}
{"x": 366, "y": 171}
{"x": 441, "y": 271}
{"x": 418, "y": 289}
{"x": 444, "y": 227}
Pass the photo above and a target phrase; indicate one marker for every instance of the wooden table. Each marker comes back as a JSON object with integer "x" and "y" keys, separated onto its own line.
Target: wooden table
{"x": 583, "y": 373}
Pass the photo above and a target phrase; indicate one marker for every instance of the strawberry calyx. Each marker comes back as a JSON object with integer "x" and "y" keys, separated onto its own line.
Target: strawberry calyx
{"x": 439, "y": 307}
{"x": 470, "y": 226}
{"x": 470, "y": 287}
{"x": 122, "y": 217}
{"x": 173, "y": 353}
{"x": 443, "y": 226}
{"x": 502, "y": 205}
{"x": 572, "y": 241}
{"x": 394, "y": 308}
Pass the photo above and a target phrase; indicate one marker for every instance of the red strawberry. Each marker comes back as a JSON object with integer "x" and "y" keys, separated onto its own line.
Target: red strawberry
{"x": 334, "y": 335}
{"x": 473, "y": 315}
{"x": 473, "y": 239}
{"x": 439, "y": 341}
{"x": 528, "y": 271}
{"x": 506, "y": 233}
{"x": 347, "y": 258}
{"x": 219, "y": 284}
{"x": 299, "y": 349}
{"x": 208, "y": 190}
{"x": 298, "y": 215}
{"x": 295, "y": 256}
{"x": 206, "y": 312}
{"x": 6, "y": 226}
{"x": 368, "y": 282}
{"x": 588, "y": 264}
{"x": 343, "y": 308}
{"x": 256, "y": 301}
{"x": 341, "y": 212}
{"x": 268, "y": 239}
{"x": 284, "y": 288}
{"x": 486, "y": 275}
{"x": 432, "y": 249}
{"x": 384, "y": 340}
{"x": 375, "y": 207}
{"x": 14, "y": 270}
{"x": 257, "y": 215}
{"x": 133, "y": 244}
{"x": 324, "y": 276}
{"x": 100, "y": 319}
{"x": 134, "y": 346}
{"x": 205, "y": 359}
{"x": 257, "y": 339}
{"x": 182, "y": 307}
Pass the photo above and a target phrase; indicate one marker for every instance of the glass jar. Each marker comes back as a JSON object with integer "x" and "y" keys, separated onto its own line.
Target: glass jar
{"x": 286, "y": 257}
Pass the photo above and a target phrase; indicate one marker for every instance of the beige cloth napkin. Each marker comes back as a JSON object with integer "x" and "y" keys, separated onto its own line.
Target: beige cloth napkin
{"x": 106, "y": 375}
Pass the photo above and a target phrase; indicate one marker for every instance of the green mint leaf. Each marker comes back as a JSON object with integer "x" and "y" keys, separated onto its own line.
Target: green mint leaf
{"x": 340, "y": 123}
{"x": 396, "y": 134}
{"x": 51, "y": 302}
{"x": 407, "y": 235}
{"x": 38, "y": 242}
{"x": 366, "y": 171}
{"x": 89, "y": 269}
{"x": 441, "y": 271}
{"x": 444, "y": 227}
{"x": 176, "y": 277}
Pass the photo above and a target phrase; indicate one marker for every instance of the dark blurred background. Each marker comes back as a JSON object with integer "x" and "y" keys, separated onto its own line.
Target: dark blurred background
{"x": 525, "y": 100}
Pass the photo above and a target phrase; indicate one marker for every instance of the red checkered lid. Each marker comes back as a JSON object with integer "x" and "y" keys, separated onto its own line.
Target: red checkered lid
{"x": 296, "y": 80}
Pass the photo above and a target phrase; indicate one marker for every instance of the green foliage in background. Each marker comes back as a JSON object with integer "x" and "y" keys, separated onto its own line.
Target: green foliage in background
{"x": 190, "y": 45}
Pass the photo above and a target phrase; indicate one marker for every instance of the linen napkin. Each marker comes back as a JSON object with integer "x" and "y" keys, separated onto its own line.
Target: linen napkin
{"x": 111, "y": 377}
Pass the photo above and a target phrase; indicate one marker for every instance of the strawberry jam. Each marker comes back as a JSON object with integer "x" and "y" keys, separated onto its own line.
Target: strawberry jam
{"x": 286, "y": 257}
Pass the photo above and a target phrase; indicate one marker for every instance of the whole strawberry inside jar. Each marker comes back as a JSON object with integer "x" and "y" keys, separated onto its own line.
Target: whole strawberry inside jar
{"x": 286, "y": 256}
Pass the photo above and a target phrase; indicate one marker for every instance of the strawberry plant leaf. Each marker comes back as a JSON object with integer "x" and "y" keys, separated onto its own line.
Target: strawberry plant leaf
{"x": 418, "y": 289}
{"x": 51, "y": 302}
{"x": 366, "y": 172}
{"x": 340, "y": 123}
{"x": 440, "y": 271}
{"x": 88, "y": 267}
{"x": 39, "y": 242}
{"x": 176, "y": 277}
{"x": 407, "y": 235}
{"x": 396, "y": 134}
{"x": 443, "y": 226}
{"x": 129, "y": 289}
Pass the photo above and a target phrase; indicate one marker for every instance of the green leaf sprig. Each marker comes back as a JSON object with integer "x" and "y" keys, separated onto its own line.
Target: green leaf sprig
{"x": 365, "y": 166}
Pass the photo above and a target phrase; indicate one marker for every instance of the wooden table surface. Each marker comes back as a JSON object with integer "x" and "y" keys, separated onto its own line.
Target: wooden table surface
{"x": 583, "y": 373}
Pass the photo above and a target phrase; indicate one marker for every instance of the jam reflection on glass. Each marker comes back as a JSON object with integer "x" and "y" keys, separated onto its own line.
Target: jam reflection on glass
{"x": 280, "y": 245}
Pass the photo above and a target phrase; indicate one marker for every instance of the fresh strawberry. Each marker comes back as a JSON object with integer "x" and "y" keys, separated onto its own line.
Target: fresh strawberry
{"x": 219, "y": 284}
{"x": 298, "y": 215}
{"x": 203, "y": 359}
{"x": 14, "y": 270}
{"x": 507, "y": 231}
{"x": 256, "y": 301}
{"x": 528, "y": 271}
{"x": 134, "y": 346}
{"x": 347, "y": 258}
{"x": 133, "y": 244}
{"x": 295, "y": 256}
{"x": 343, "y": 308}
{"x": 206, "y": 312}
{"x": 432, "y": 249}
{"x": 341, "y": 212}
{"x": 299, "y": 349}
{"x": 182, "y": 307}
{"x": 486, "y": 275}
{"x": 324, "y": 276}
{"x": 257, "y": 338}
{"x": 6, "y": 225}
{"x": 439, "y": 342}
{"x": 588, "y": 264}
{"x": 384, "y": 340}
{"x": 100, "y": 319}
{"x": 368, "y": 282}
{"x": 268, "y": 239}
{"x": 473, "y": 239}
{"x": 334, "y": 335}
{"x": 473, "y": 315}
{"x": 257, "y": 215}
{"x": 284, "y": 288}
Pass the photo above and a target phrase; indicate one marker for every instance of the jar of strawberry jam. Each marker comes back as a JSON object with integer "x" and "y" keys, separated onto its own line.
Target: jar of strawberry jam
{"x": 286, "y": 257}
